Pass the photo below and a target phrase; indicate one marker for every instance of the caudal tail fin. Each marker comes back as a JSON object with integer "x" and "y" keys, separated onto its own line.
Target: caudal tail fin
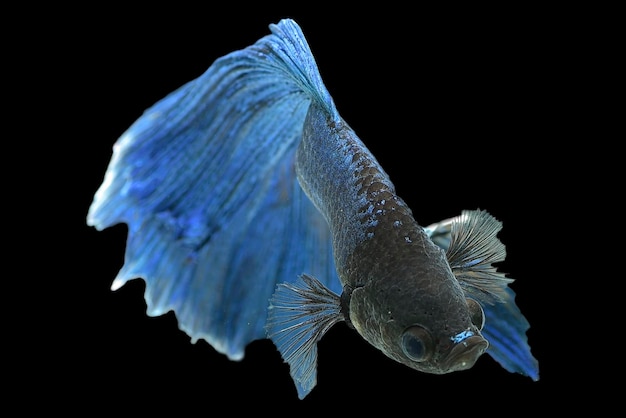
{"x": 205, "y": 181}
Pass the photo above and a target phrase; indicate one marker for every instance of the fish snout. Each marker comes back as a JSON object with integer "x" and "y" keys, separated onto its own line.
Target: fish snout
{"x": 465, "y": 353}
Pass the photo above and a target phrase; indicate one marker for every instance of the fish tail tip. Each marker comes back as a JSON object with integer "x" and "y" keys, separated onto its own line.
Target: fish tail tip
{"x": 117, "y": 283}
{"x": 91, "y": 220}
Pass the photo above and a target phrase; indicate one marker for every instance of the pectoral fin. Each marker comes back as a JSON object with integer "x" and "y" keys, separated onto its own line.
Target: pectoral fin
{"x": 299, "y": 315}
{"x": 474, "y": 247}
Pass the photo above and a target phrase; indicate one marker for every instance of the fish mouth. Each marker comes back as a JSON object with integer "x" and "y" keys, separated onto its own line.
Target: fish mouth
{"x": 465, "y": 353}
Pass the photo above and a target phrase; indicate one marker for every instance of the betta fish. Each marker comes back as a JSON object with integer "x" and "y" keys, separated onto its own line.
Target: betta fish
{"x": 254, "y": 211}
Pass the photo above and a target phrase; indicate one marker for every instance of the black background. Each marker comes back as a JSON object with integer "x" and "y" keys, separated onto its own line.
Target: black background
{"x": 459, "y": 107}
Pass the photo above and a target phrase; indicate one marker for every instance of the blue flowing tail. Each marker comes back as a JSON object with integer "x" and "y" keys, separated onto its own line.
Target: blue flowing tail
{"x": 205, "y": 181}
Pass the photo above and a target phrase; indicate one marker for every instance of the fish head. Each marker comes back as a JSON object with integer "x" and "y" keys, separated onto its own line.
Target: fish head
{"x": 429, "y": 346}
{"x": 434, "y": 330}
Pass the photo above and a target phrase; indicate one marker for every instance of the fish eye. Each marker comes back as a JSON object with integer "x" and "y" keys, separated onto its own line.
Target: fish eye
{"x": 477, "y": 315}
{"x": 417, "y": 343}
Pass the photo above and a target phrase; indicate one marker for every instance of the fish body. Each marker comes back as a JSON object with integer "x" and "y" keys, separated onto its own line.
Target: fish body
{"x": 388, "y": 295}
{"x": 255, "y": 211}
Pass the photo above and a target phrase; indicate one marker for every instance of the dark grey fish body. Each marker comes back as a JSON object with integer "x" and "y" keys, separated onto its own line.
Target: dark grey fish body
{"x": 385, "y": 292}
